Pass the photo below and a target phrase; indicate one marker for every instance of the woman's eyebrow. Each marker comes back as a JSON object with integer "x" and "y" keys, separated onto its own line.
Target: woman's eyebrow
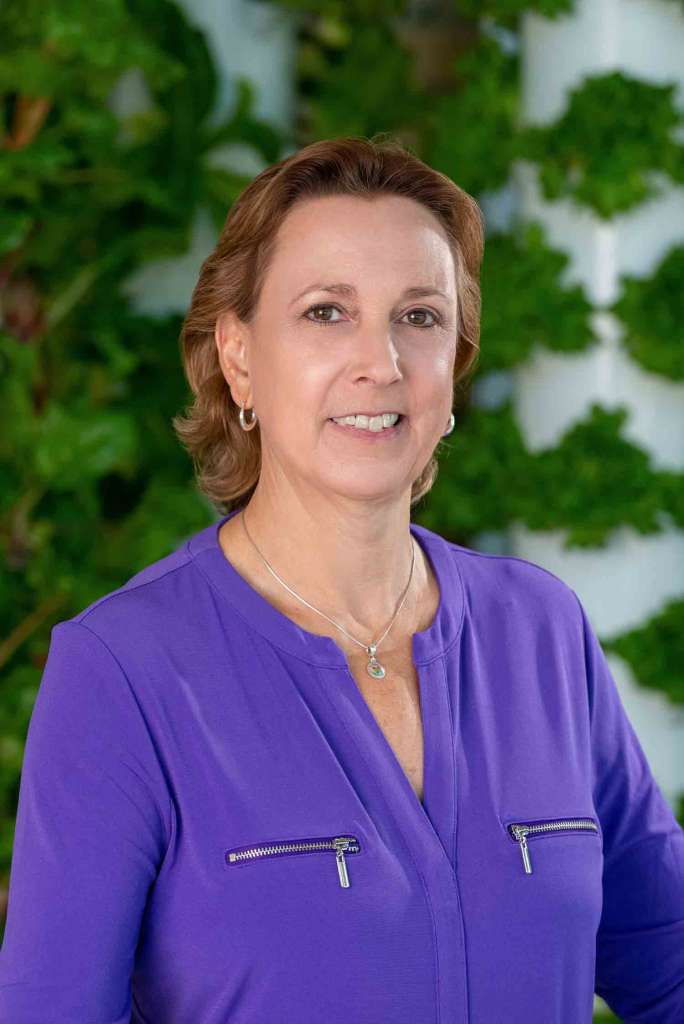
{"x": 417, "y": 291}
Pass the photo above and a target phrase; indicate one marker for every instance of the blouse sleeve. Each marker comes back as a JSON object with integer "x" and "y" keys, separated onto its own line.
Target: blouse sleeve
{"x": 91, "y": 832}
{"x": 640, "y": 940}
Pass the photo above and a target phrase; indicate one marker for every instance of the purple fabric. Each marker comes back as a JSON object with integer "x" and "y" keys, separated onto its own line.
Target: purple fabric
{"x": 181, "y": 717}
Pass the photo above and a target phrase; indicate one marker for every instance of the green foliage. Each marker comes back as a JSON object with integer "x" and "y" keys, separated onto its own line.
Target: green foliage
{"x": 670, "y": 485}
{"x": 679, "y": 809}
{"x": 525, "y": 304}
{"x": 332, "y": 12}
{"x": 508, "y": 12}
{"x": 73, "y": 53}
{"x": 589, "y": 484}
{"x": 20, "y": 687}
{"x": 655, "y": 651}
{"x": 346, "y": 89}
{"x": 93, "y": 483}
{"x": 79, "y": 165}
{"x": 652, "y": 312}
{"x": 481, "y": 465}
{"x": 473, "y": 150}
{"x": 614, "y": 133}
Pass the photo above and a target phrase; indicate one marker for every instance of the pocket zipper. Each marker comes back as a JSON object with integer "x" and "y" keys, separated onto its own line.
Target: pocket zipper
{"x": 520, "y": 830}
{"x": 340, "y": 844}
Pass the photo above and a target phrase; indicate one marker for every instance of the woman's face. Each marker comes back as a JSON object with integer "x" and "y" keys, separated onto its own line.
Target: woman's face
{"x": 313, "y": 351}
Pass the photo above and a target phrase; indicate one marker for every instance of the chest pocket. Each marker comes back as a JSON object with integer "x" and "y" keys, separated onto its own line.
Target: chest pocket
{"x": 329, "y": 846}
{"x": 528, "y": 834}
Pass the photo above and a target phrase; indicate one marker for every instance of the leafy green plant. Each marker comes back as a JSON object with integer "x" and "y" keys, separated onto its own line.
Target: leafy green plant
{"x": 589, "y": 484}
{"x": 655, "y": 651}
{"x": 615, "y": 132}
{"x": 482, "y": 464}
{"x": 524, "y": 302}
{"x": 473, "y": 150}
{"x": 93, "y": 484}
{"x": 508, "y": 12}
{"x": 652, "y": 313}
{"x": 344, "y": 88}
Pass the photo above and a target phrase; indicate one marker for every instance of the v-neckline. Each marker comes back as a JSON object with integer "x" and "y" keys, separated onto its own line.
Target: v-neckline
{"x": 433, "y": 817}
{"x": 427, "y": 644}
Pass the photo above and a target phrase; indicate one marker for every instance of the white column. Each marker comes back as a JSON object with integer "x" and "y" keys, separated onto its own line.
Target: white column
{"x": 626, "y": 583}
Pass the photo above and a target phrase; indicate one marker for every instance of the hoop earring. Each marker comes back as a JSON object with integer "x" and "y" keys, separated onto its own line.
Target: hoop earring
{"x": 243, "y": 423}
{"x": 452, "y": 424}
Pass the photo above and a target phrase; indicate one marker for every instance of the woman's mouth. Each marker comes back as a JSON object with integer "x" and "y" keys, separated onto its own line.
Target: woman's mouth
{"x": 364, "y": 434}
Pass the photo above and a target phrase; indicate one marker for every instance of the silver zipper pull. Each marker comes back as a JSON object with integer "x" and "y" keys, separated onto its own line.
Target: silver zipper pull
{"x": 340, "y": 846}
{"x": 520, "y": 835}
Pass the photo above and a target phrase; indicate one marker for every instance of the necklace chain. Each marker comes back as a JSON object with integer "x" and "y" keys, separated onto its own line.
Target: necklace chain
{"x": 374, "y": 668}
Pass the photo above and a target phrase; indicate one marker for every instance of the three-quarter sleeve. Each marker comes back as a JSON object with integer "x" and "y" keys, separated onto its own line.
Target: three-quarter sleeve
{"x": 640, "y": 940}
{"x": 92, "y": 828}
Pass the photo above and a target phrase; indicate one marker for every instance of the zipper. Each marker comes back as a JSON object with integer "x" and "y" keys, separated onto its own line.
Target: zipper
{"x": 340, "y": 844}
{"x": 519, "y": 830}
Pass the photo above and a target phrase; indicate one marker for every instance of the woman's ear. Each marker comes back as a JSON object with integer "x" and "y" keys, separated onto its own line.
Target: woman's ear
{"x": 232, "y": 345}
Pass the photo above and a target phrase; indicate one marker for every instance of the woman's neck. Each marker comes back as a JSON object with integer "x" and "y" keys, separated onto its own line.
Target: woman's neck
{"x": 366, "y": 614}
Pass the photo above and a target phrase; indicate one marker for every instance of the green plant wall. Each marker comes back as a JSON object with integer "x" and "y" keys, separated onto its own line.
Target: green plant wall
{"x": 93, "y": 484}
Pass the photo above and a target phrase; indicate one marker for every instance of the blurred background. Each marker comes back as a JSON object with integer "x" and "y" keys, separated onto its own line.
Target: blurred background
{"x": 130, "y": 126}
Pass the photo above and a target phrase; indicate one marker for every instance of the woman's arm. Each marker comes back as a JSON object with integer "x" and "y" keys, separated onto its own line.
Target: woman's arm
{"x": 640, "y": 941}
{"x": 92, "y": 829}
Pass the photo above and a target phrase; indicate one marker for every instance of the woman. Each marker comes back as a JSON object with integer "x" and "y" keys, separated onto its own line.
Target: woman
{"x": 320, "y": 763}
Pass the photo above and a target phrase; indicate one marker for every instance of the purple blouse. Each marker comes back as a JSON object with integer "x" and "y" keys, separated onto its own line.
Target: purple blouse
{"x": 213, "y": 829}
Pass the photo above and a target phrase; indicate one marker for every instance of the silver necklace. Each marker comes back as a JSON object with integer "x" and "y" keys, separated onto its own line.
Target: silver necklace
{"x": 373, "y": 668}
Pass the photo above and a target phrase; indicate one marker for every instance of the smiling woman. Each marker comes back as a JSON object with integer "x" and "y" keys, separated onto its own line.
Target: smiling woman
{"x": 369, "y": 206}
{"x": 395, "y": 783}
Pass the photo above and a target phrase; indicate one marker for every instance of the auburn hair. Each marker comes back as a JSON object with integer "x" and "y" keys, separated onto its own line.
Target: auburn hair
{"x": 226, "y": 458}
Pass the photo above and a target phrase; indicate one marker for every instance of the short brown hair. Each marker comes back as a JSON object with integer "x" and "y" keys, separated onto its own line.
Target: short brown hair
{"x": 227, "y": 459}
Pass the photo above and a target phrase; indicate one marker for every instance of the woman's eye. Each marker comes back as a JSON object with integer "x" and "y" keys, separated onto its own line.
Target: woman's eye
{"x": 324, "y": 321}
{"x": 436, "y": 318}
{"x": 421, "y": 312}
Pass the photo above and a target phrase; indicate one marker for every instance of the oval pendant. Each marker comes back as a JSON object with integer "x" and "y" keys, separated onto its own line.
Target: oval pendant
{"x": 375, "y": 669}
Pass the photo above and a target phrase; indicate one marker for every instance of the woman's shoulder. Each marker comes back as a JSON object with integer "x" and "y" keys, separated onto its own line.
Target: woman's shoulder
{"x": 151, "y": 605}
{"x": 514, "y": 582}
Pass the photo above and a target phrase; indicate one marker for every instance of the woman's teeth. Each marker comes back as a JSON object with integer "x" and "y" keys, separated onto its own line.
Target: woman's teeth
{"x": 387, "y": 419}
